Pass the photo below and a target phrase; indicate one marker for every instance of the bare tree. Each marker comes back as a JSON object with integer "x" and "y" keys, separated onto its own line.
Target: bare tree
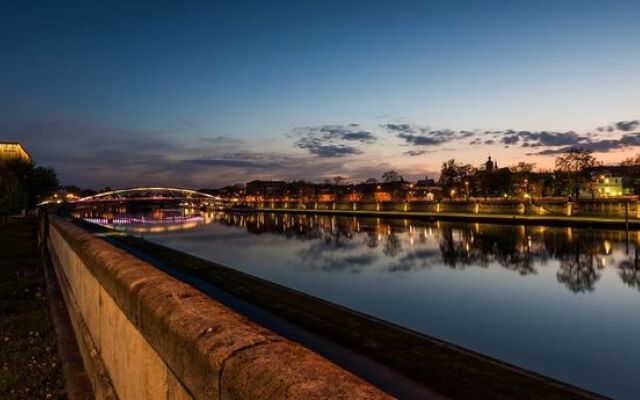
{"x": 523, "y": 168}
{"x": 391, "y": 176}
{"x": 631, "y": 161}
{"x": 453, "y": 175}
{"x": 576, "y": 164}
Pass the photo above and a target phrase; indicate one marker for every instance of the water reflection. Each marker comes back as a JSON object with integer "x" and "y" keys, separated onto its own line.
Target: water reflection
{"x": 409, "y": 244}
{"x": 581, "y": 253}
{"x": 142, "y": 219}
{"x": 629, "y": 270}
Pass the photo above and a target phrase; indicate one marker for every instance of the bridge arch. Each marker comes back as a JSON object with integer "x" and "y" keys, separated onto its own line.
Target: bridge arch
{"x": 150, "y": 194}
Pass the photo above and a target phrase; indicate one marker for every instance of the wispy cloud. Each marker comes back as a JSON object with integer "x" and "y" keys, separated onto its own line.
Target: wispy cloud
{"x": 414, "y": 153}
{"x": 628, "y": 133}
{"x": 542, "y": 138}
{"x": 422, "y": 136}
{"x": 601, "y": 146}
{"x": 330, "y": 141}
{"x": 625, "y": 126}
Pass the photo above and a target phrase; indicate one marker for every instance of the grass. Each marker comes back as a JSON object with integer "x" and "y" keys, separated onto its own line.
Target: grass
{"x": 29, "y": 364}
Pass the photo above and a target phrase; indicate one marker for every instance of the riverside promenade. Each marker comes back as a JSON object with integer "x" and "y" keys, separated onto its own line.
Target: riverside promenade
{"x": 602, "y": 222}
{"x": 603, "y": 213}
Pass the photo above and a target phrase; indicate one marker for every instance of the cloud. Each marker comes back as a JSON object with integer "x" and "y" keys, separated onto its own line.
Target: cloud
{"x": 406, "y": 128}
{"x": 555, "y": 141}
{"x": 628, "y": 126}
{"x": 600, "y": 146}
{"x": 415, "y": 152}
{"x": 542, "y": 138}
{"x": 422, "y": 136}
{"x": 624, "y": 126}
{"x": 317, "y": 147}
{"x": 96, "y": 156}
{"x": 328, "y": 141}
{"x": 231, "y": 163}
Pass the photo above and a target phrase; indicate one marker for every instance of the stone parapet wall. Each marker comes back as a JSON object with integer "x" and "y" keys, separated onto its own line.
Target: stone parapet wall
{"x": 145, "y": 335}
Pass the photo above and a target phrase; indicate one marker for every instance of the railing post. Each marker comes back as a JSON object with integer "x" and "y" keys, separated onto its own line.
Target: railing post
{"x": 626, "y": 215}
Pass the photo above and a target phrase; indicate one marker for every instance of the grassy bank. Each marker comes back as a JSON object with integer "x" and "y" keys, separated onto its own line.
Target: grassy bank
{"x": 29, "y": 363}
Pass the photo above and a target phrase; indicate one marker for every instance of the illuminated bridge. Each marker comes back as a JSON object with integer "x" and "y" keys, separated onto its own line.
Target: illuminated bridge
{"x": 153, "y": 194}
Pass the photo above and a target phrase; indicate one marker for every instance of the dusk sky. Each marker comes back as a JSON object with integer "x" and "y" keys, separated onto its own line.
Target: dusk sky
{"x": 205, "y": 93}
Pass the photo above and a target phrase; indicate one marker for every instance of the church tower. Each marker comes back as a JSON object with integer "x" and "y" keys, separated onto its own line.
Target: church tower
{"x": 490, "y": 165}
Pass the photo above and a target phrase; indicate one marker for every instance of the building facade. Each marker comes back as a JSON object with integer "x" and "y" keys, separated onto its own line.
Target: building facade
{"x": 607, "y": 185}
{"x": 13, "y": 151}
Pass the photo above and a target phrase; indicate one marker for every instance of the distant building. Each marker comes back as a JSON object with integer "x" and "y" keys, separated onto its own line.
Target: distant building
{"x": 265, "y": 190}
{"x": 490, "y": 165}
{"x": 427, "y": 189}
{"x": 607, "y": 185}
{"x": 13, "y": 151}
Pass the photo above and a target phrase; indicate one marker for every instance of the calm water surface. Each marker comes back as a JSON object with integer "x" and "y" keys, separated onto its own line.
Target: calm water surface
{"x": 564, "y": 302}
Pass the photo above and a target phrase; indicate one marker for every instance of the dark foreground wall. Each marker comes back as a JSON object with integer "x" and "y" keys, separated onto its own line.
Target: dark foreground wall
{"x": 146, "y": 335}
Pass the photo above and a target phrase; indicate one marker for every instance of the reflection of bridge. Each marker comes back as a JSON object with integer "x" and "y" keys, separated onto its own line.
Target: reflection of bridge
{"x": 153, "y": 194}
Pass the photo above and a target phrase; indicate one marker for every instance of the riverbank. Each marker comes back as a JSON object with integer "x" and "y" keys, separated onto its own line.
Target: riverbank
{"x": 30, "y": 367}
{"x": 442, "y": 367}
{"x": 551, "y": 220}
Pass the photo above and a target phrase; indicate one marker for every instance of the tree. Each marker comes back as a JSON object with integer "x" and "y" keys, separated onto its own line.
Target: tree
{"x": 453, "y": 176}
{"x": 631, "y": 161}
{"x": 41, "y": 182}
{"x": 371, "y": 180}
{"x": 522, "y": 173}
{"x": 338, "y": 180}
{"x": 552, "y": 185}
{"x": 392, "y": 176}
{"x": 12, "y": 197}
{"x": 523, "y": 168}
{"x": 576, "y": 164}
{"x": 632, "y": 174}
{"x": 23, "y": 185}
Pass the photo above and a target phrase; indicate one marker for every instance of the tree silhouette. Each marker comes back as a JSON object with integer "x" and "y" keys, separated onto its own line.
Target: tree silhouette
{"x": 576, "y": 164}
{"x": 578, "y": 273}
{"x": 629, "y": 271}
{"x": 392, "y": 176}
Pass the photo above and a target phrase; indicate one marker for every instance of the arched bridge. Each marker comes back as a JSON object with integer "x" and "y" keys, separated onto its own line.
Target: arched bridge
{"x": 152, "y": 194}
